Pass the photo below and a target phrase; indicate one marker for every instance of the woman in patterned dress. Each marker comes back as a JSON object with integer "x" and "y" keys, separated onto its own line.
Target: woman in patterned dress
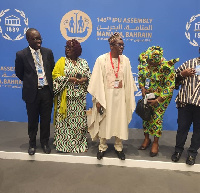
{"x": 70, "y": 80}
{"x": 160, "y": 75}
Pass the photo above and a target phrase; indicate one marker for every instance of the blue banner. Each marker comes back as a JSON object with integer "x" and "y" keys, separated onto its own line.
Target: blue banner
{"x": 173, "y": 25}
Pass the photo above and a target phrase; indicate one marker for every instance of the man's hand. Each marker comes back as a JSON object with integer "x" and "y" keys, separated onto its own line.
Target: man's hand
{"x": 188, "y": 72}
{"x": 98, "y": 105}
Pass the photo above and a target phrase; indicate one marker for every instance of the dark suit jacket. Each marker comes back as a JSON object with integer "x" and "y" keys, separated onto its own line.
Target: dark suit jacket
{"x": 26, "y": 71}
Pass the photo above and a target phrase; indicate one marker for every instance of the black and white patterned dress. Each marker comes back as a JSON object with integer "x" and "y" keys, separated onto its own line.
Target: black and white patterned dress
{"x": 71, "y": 133}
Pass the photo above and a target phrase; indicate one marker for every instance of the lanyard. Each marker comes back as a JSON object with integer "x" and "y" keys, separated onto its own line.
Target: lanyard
{"x": 116, "y": 73}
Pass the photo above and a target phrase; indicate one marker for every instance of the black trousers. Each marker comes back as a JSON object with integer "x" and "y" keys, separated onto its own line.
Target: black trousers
{"x": 40, "y": 110}
{"x": 186, "y": 116}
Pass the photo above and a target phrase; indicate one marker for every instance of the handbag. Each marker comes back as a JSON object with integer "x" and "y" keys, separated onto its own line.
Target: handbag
{"x": 145, "y": 111}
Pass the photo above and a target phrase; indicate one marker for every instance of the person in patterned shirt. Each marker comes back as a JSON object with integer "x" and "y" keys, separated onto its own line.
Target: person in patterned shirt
{"x": 70, "y": 80}
{"x": 160, "y": 75}
{"x": 188, "y": 104}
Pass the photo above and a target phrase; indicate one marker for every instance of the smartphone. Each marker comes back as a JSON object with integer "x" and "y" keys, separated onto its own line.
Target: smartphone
{"x": 78, "y": 76}
{"x": 101, "y": 110}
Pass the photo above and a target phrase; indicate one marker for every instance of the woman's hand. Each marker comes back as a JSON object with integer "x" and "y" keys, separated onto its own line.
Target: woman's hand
{"x": 73, "y": 80}
{"x": 144, "y": 91}
{"x": 155, "y": 102}
{"x": 82, "y": 80}
{"x": 77, "y": 81}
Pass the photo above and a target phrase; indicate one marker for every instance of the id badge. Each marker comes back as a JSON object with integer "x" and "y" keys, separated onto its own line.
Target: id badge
{"x": 39, "y": 70}
{"x": 116, "y": 84}
{"x": 41, "y": 81}
{"x": 197, "y": 70}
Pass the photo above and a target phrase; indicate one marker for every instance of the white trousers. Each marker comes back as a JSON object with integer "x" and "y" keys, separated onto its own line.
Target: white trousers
{"x": 103, "y": 146}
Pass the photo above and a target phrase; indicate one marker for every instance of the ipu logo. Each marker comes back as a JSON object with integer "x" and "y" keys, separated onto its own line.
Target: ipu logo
{"x": 76, "y": 25}
{"x": 193, "y": 30}
{"x": 13, "y": 24}
{"x": 135, "y": 77}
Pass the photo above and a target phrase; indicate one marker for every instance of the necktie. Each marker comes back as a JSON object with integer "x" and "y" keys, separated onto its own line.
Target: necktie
{"x": 39, "y": 70}
{"x": 37, "y": 58}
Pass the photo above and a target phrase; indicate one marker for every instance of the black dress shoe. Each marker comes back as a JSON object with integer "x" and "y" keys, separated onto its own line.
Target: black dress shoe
{"x": 120, "y": 155}
{"x": 145, "y": 147}
{"x": 190, "y": 160}
{"x": 176, "y": 156}
{"x": 46, "y": 149}
{"x": 100, "y": 154}
{"x": 31, "y": 150}
{"x": 152, "y": 154}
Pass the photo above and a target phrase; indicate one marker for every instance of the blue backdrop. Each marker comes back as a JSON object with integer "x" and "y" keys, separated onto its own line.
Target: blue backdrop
{"x": 174, "y": 25}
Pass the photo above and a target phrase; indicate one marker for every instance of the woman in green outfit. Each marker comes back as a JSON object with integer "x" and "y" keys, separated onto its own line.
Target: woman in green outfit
{"x": 70, "y": 80}
{"x": 160, "y": 75}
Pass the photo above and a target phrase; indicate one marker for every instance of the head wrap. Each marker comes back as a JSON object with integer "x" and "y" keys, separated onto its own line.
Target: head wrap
{"x": 155, "y": 55}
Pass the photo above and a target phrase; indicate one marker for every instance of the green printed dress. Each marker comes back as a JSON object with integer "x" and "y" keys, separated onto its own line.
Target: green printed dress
{"x": 71, "y": 132}
{"x": 161, "y": 80}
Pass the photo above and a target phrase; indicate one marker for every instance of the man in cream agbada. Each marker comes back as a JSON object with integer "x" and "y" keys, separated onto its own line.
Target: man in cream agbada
{"x": 112, "y": 87}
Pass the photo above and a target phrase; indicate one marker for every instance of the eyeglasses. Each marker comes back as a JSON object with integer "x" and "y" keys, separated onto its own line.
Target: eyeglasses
{"x": 36, "y": 39}
{"x": 120, "y": 45}
{"x": 68, "y": 47}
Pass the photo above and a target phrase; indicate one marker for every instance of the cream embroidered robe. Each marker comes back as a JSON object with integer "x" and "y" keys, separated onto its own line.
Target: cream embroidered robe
{"x": 118, "y": 103}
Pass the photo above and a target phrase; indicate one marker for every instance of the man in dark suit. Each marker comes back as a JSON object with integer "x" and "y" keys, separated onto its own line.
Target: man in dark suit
{"x": 34, "y": 66}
